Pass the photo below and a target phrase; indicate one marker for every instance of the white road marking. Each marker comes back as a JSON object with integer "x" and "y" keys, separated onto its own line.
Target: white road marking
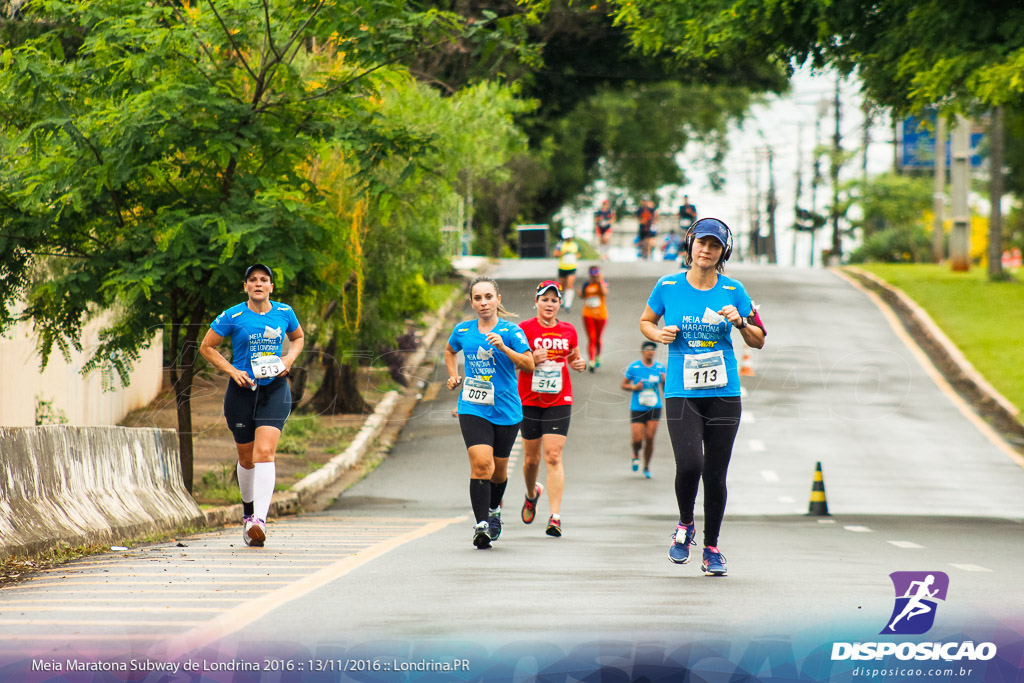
{"x": 905, "y": 544}
{"x": 787, "y": 499}
{"x": 748, "y": 417}
{"x": 970, "y": 567}
{"x": 756, "y": 445}
{"x": 770, "y": 476}
{"x": 858, "y": 529}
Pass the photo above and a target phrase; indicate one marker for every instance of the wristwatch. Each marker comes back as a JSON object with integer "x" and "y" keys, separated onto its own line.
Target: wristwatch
{"x": 744, "y": 321}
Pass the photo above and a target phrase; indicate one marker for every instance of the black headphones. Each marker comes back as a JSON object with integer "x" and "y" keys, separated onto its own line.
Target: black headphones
{"x": 689, "y": 239}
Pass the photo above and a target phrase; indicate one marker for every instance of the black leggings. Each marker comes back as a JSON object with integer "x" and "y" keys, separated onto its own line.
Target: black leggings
{"x": 702, "y": 432}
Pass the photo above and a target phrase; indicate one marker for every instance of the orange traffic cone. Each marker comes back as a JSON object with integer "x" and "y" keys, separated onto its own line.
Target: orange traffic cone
{"x": 747, "y": 364}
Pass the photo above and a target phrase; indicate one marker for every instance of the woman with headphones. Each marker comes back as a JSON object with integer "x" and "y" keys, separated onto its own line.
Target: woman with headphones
{"x": 700, "y": 308}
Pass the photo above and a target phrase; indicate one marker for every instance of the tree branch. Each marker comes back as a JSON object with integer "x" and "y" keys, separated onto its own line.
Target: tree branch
{"x": 231, "y": 40}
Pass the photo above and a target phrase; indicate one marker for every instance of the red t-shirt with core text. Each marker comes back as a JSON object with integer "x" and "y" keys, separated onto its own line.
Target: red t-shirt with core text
{"x": 559, "y": 341}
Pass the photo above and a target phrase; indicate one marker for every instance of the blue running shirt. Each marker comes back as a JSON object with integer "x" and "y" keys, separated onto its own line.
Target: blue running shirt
{"x": 650, "y": 375}
{"x": 255, "y": 334}
{"x": 485, "y": 362}
{"x": 679, "y": 303}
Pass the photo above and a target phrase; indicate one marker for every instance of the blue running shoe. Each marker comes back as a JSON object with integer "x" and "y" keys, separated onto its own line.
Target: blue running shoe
{"x": 713, "y": 563}
{"x": 636, "y": 464}
{"x": 494, "y": 524}
{"x": 647, "y": 473}
{"x": 682, "y": 539}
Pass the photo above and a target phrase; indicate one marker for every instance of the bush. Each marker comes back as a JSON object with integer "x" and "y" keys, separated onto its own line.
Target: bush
{"x": 895, "y": 245}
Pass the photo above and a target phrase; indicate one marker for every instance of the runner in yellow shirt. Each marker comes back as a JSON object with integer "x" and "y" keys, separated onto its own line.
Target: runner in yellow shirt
{"x": 568, "y": 253}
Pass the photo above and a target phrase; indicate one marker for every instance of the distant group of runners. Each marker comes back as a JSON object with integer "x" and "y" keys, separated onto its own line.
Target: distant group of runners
{"x": 647, "y": 218}
{"x": 517, "y": 379}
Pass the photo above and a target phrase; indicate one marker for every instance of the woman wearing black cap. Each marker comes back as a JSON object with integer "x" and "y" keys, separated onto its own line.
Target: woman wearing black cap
{"x": 258, "y": 398}
{"x": 644, "y": 378}
{"x": 702, "y": 405}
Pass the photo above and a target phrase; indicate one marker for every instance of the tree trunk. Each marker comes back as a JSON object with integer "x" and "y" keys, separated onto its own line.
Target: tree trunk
{"x": 995, "y": 219}
{"x": 182, "y": 375}
{"x": 339, "y": 391}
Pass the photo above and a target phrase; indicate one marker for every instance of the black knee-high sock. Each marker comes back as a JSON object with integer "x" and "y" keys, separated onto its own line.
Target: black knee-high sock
{"x": 497, "y": 493}
{"x": 479, "y": 495}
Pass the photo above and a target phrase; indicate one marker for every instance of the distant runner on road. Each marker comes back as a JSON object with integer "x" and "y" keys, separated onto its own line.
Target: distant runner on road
{"x": 702, "y": 406}
{"x": 546, "y": 394}
{"x": 595, "y": 314}
{"x": 258, "y": 399}
{"x": 603, "y": 220}
{"x": 644, "y": 378}
{"x": 489, "y": 408}
{"x": 568, "y": 253}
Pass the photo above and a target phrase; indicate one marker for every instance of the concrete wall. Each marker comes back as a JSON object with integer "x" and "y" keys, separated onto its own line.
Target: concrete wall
{"x": 62, "y": 484}
{"x": 83, "y": 400}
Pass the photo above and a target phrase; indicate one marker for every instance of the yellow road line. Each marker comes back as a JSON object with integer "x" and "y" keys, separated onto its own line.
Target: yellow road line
{"x": 241, "y": 616}
{"x": 933, "y": 372}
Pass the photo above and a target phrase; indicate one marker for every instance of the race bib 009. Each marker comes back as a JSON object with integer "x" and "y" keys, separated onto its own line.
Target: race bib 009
{"x": 478, "y": 391}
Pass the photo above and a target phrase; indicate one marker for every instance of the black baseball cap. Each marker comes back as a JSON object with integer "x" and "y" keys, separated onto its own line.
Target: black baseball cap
{"x": 259, "y": 266}
{"x": 648, "y": 345}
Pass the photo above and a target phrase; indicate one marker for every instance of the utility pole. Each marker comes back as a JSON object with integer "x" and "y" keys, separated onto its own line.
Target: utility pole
{"x": 837, "y": 242}
{"x": 772, "y": 203}
{"x": 816, "y": 176}
{"x": 995, "y": 189}
{"x": 960, "y": 239}
{"x": 866, "y": 140}
{"x": 939, "y": 195}
{"x": 799, "y": 188}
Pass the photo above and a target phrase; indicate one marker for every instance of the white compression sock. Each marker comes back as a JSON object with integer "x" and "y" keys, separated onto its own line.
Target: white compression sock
{"x": 264, "y": 478}
{"x": 245, "y": 482}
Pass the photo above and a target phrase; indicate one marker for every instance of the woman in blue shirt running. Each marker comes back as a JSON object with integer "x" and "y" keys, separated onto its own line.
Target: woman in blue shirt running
{"x": 702, "y": 389}
{"x": 489, "y": 407}
{"x": 258, "y": 399}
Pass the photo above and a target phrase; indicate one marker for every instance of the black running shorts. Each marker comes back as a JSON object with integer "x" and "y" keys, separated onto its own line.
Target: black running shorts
{"x": 566, "y": 272}
{"x": 645, "y": 416}
{"x": 538, "y": 421}
{"x": 476, "y": 431}
{"x": 246, "y": 409}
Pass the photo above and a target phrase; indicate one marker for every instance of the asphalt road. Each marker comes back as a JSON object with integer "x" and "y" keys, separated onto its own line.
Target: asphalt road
{"x": 390, "y": 570}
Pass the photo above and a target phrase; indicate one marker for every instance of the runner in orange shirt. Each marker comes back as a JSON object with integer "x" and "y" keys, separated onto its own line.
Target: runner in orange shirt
{"x": 595, "y": 314}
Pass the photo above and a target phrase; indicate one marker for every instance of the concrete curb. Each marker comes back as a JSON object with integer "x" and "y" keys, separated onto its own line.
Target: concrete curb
{"x": 950, "y": 355}
{"x": 289, "y": 502}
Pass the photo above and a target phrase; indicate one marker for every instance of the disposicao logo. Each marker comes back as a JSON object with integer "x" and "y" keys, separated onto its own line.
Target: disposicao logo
{"x": 917, "y": 598}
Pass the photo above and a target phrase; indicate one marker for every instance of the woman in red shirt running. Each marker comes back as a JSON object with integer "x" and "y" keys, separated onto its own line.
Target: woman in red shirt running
{"x": 546, "y": 394}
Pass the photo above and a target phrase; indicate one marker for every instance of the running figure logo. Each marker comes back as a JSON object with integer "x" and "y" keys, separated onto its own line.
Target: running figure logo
{"x": 916, "y": 595}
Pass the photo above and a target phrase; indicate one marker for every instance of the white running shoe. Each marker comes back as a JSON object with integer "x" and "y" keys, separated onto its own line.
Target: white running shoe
{"x": 256, "y": 532}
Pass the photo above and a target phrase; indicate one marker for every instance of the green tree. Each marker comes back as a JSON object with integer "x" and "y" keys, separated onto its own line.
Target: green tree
{"x": 152, "y": 150}
{"x": 590, "y": 85}
{"x": 892, "y": 221}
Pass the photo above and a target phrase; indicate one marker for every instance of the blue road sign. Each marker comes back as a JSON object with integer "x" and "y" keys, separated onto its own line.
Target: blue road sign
{"x": 917, "y": 144}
